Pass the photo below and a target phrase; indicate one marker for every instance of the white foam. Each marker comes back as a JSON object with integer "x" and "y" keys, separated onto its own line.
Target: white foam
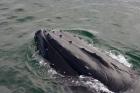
{"x": 120, "y": 58}
{"x": 94, "y": 84}
{"x": 42, "y": 63}
{"x": 52, "y": 71}
{"x": 98, "y": 86}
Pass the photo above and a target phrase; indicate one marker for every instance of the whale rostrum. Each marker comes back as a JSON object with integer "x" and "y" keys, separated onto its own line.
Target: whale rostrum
{"x": 71, "y": 56}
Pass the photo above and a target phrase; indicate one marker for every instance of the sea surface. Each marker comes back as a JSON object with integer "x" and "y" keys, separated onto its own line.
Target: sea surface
{"x": 110, "y": 25}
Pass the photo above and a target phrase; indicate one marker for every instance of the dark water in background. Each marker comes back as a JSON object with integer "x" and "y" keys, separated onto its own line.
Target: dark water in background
{"x": 110, "y": 24}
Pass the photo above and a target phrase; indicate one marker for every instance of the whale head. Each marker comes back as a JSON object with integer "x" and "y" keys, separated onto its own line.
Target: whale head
{"x": 69, "y": 55}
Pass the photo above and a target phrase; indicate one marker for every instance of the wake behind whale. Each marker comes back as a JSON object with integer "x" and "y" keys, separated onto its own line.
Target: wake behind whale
{"x": 70, "y": 56}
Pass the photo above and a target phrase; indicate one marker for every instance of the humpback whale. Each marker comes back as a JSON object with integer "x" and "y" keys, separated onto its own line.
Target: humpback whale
{"x": 71, "y": 56}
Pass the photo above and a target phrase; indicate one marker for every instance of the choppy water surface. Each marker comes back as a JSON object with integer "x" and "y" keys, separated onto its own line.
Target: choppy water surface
{"x": 111, "y": 25}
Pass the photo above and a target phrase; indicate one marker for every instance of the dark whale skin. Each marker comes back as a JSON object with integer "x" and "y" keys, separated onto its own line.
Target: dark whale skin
{"x": 71, "y": 56}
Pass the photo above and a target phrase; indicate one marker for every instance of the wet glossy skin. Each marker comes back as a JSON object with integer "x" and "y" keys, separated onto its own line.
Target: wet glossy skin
{"x": 72, "y": 56}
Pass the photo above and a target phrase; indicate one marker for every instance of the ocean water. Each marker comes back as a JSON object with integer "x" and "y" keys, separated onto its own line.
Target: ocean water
{"x": 109, "y": 25}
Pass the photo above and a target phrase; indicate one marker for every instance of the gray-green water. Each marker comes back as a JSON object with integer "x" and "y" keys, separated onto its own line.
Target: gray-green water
{"x": 110, "y": 24}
